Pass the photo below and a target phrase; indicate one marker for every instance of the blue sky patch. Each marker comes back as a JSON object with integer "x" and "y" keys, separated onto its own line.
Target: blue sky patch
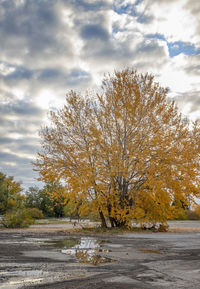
{"x": 125, "y": 9}
{"x": 175, "y": 48}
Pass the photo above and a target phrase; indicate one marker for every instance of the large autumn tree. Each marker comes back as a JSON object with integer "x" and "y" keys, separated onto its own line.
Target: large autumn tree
{"x": 124, "y": 153}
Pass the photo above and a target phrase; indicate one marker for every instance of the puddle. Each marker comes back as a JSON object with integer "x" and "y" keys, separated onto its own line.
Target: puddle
{"x": 66, "y": 243}
{"x": 86, "y": 250}
{"x": 115, "y": 245}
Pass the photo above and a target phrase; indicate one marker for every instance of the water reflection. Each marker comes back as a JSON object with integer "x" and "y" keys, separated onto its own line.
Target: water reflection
{"x": 65, "y": 243}
{"x": 89, "y": 251}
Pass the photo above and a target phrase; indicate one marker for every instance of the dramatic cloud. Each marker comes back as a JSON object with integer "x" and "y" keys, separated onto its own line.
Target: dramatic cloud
{"x": 50, "y": 47}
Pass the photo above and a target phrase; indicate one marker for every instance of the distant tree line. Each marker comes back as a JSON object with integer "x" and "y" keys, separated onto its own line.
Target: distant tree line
{"x": 20, "y": 209}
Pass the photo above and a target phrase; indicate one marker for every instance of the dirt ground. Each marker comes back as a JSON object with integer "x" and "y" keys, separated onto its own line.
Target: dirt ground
{"x": 29, "y": 259}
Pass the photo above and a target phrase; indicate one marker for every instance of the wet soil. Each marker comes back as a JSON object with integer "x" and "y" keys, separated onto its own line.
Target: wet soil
{"x": 40, "y": 259}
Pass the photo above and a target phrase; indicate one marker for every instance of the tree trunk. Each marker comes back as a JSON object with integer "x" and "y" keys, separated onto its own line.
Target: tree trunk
{"x": 112, "y": 222}
{"x": 103, "y": 221}
{"x": 119, "y": 224}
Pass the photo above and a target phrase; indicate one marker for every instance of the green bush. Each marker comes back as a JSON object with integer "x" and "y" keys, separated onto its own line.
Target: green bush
{"x": 70, "y": 211}
{"x": 35, "y": 213}
{"x": 42, "y": 199}
{"x": 17, "y": 219}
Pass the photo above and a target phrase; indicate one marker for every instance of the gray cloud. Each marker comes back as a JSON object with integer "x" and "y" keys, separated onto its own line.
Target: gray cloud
{"x": 152, "y": 48}
{"x": 18, "y": 74}
{"x": 194, "y": 7}
{"x": 22, "y": 108}
{"x": 48, "y": 47}
{"x": 37, "y": 79}
{"x": 94, "y": 32}
{"x": 193, "y": 65}
{"x": 68, "y": 78}
{"x": 24, "y": 146}
{"x": 89, "y": 6}
{"x": 33, "y": 31}
{"x": 18, "y": 120}
{"x": 19, "y": 167}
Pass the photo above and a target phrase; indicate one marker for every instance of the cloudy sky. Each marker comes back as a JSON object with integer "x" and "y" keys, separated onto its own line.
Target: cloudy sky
{"x": 48, "y": 47}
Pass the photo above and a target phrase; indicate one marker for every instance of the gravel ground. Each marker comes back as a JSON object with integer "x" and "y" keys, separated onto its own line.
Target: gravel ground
{"x": 140, "y": 260}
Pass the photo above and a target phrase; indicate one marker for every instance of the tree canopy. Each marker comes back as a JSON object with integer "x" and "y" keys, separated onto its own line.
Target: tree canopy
{"x": 125, "y": 153}
{"x": 10, "y": 194}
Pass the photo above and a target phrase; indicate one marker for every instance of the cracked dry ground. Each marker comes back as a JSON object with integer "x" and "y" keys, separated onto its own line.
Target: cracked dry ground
{"x": 154, "y": 260}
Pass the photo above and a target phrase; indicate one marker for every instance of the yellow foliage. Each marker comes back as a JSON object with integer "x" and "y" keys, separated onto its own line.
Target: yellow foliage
{"x": 125, "y": 153}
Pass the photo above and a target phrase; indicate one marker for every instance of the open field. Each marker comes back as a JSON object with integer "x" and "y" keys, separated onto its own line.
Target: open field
{"x": 52, "y": 256}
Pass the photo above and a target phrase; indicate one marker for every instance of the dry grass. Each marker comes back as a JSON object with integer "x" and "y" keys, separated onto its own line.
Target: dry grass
{"x": 184, "y": 230}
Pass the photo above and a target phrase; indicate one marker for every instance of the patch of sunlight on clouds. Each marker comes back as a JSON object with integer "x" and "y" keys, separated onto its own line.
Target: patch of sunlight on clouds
{"x": 185, "y": 109}
{"x": 97, "y": 78}
{"x": 78, "y": 45}
{"x": 83, "y": 65}
{"x": 18, "y": 93}
{"x": 15, "y": 135}
{"x": 174, "y": 76}
{"x": 47, "y": 98}
{"x": 19, "y": 2}
{"x": 67, "y": 17}
{"x": 172, "y": 20}
{"x": 195, "y": 115}
{"x": 175, "y": 80}
{"x": 5, "y": 69}
{"x": 11, "y": 117}
{"x": 10, "y": 164}
{"x": 174, "y": 23}
{"x": 18, "y": 154}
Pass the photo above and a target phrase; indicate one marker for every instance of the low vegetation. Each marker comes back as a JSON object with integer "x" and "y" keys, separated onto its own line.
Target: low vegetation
{"x": 37, "y": 206}
{"x": 193, "y": 214}
{"x": 17, "y": 219}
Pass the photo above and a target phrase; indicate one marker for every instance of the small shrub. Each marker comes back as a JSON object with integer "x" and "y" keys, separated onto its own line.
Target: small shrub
{"x": 182, "y": 215}
{"x": 35, "y": 213}
{"x": 197, "y": 210}
{"x": 17, "y": 219}
{"x": 163, "y": 228}
{"x": 94, "y": 217}
{"x": 193, "y": 215}
{"x": 69, "y": 211}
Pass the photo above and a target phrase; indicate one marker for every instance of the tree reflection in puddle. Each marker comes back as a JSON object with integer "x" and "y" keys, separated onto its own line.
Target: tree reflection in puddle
{"x": 89, "y": 251}
{"x": 63, "y": 243}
